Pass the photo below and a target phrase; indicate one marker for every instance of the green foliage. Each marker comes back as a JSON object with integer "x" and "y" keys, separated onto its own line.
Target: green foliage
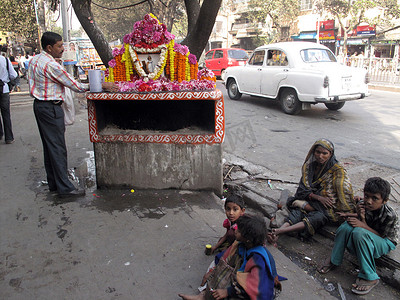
{"x": 355, "y": 11}
{"x": 18, "y": 17}
{"x": 116, "y": 23}
{"x": 281, "y": 13}
{"x": 180, "y": 25}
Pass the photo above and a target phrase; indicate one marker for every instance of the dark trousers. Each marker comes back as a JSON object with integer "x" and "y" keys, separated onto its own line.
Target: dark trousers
{"x": 50, "y": 120}
{"x": 6, "y": 117}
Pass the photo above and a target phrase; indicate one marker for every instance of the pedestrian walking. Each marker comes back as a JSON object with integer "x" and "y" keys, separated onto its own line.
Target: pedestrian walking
{"x": 5, "y": 77}
{"x": 47, "y": 81}
{"x": 17, "y": 87}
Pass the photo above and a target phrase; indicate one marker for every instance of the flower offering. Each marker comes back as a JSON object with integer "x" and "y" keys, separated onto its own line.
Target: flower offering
{"x": 151, "y": 61}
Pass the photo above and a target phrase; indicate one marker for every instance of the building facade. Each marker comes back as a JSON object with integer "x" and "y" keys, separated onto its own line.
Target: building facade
{"x": 234, "y": 28}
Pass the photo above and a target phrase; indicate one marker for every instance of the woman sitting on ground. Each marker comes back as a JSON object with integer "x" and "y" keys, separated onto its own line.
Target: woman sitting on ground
{"x": 250, "y": 263}
{"x": 324, "y": 190}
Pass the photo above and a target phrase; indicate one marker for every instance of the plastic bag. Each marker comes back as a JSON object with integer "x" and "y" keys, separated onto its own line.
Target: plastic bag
{"x": 68, "y": 107}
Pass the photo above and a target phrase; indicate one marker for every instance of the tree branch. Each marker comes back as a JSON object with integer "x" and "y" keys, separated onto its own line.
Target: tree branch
{"x": 121, "y": 7}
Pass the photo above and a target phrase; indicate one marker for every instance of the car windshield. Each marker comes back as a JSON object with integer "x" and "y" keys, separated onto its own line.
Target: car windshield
{"x": 317, "y": 55}
{"x": 237, "y": 54}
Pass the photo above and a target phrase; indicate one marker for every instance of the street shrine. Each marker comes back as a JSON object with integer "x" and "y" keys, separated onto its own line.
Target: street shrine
{"x": 165, "y": 127}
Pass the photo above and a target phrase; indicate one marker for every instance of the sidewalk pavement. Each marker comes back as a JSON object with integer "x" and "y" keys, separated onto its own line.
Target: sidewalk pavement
{"x": 122, "y": 245}
{"x": 109, "y": 244}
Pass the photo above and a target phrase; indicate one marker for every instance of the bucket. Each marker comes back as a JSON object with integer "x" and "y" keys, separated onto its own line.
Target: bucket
{"x": 96, "y": 78}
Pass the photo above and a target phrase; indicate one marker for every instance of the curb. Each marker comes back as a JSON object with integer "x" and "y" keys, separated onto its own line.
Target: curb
{"x": 385, "y": 88}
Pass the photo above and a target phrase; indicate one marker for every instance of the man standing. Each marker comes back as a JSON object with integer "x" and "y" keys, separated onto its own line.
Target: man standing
{"x": 5, "y": 77}
{"x": 47, "y": 80}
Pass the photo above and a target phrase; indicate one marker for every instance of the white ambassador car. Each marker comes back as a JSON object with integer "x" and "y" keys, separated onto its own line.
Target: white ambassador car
{"x": 297, "y": 74}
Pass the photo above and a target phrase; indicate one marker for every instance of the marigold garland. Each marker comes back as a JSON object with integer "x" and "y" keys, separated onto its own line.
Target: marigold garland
{"x": 171, "y": 60}
{"x": 126, "y": 58}
{"x": 179, "y": 66}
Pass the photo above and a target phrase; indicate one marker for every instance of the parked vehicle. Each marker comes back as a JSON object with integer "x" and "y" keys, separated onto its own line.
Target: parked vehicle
{"x": 297, "y": 74}
{"x": 218, "y": 60}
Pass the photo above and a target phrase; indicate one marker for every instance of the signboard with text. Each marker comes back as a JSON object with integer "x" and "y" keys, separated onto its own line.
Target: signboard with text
{"x": 327, "y": 35}
{"x": 366, "y": 29}
{"x": 326, "y": 25}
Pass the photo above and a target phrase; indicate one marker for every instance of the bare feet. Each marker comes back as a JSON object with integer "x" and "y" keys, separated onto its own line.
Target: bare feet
{"x": 200, "y": 296}
{"x": 326, "y": 266}
{"x": 362, "y": 286}
{"x": 272, "y": 237}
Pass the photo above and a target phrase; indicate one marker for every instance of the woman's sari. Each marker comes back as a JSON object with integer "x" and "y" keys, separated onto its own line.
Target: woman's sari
{"x": 330, "y": 181}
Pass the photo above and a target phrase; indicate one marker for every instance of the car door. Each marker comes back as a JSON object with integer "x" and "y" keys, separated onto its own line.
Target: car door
{"x": 208, "y": 58}
{"x": 216, "y": 62}
{"x": 251, "y": 77}
{"x": 274, "y": 72}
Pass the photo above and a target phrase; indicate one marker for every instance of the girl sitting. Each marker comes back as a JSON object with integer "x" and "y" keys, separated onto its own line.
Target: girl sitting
{"x": 246, "y": 269}
{"x": 234, "y": 208}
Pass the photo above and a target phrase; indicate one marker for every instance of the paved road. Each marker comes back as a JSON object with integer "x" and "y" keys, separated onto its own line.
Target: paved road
{"x": 258, "y": 131}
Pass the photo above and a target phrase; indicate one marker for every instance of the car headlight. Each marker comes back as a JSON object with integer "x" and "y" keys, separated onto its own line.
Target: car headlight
{"x": 326, "y": 82}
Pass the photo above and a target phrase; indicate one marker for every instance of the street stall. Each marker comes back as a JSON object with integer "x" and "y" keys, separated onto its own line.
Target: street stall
{"x": 165, "y": 127}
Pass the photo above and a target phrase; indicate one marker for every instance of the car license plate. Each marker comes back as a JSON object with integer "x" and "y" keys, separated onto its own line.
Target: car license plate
{"x": 346, "y": 83}
{"x": 241, "y": 63}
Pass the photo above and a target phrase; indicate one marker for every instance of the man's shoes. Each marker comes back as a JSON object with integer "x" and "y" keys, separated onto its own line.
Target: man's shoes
{"x": 10, "y": 142}
{"x": 73, "y": 193}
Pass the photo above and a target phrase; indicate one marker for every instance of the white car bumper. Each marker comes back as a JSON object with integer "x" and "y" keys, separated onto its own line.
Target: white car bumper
{"x": 340, "y": 98}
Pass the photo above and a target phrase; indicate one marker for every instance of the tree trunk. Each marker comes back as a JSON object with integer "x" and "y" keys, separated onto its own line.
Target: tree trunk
{"x": 192, "y": 11}
{"x": 199, "y": 34}
{"x": 41, "y": 16}
{"x": 84, "y": 14}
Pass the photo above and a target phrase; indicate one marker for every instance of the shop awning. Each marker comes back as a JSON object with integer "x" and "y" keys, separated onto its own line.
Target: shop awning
{"x": 305, "y": 36}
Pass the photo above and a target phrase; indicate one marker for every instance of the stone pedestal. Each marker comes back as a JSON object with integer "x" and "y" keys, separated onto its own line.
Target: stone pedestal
{"x": 158, "y": 140}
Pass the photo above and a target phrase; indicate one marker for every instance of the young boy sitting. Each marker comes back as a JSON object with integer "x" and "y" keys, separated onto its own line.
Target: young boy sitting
{"x": 369, "y": 234}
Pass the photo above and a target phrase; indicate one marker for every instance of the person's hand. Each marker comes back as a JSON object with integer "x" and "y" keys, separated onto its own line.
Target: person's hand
{"x": 220, "y": 294}
{"x": 213, "y": 249}
{"x": 327, "y": 202}
{"x": 341, "y": 214}
{"x": 110, "y": 86}
{"x": 355, "y": 222}
{"x": 360, "y": 209}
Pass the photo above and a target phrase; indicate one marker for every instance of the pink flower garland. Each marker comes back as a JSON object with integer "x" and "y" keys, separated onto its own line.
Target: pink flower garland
{"x": 163, "y": 84}
{"x": 148, "y": 33}
{"x": 182, "y": 49}
{"x": 112, "y": 63}
{"x": 205, "y": 72}
{"x": 192, "y": 59}
{"x": 116, "y": 51}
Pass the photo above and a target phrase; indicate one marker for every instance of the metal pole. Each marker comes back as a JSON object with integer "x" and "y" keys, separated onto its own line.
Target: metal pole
{"x": 66, "y": 30}
{"x": 65, "y": 21}
{"x": 37, "y": 21}
{"x": 318, "y": 29}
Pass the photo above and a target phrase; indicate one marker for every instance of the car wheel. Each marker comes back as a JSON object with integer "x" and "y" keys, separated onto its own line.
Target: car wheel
{"x": 290, "y": 102}
{"x": 334, "y": 106}
{"x": 223, "y": 75}
{"x": 233, "y": 90}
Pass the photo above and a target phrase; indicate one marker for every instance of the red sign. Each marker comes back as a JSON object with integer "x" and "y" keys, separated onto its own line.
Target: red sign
{"x": 365, "y": 29}
{"x": 360, "y": 30}
{"x": 327, "y": 35}
{"x": 326, "y": 25}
